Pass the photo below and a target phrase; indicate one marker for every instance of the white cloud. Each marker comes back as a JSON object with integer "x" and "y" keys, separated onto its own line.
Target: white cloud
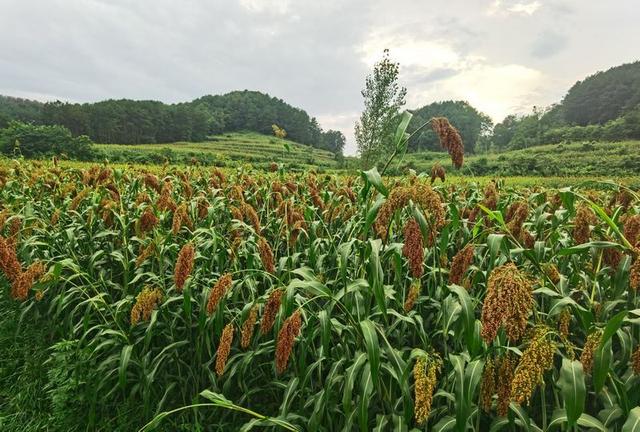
{"x": 260, "y": 6}
{"x": 409, "y": 52}
{"x": 496, "y": 90}
{"x": 503, "y": 8}
{"x": 434, "y": 70}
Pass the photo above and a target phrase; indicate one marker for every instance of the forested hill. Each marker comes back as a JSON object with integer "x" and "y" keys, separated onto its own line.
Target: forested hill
{"x": 603, "y": 96}
{"x": 128, "y": 121}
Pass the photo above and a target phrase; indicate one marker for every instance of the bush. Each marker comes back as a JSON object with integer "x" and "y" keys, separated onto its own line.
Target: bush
{"x": 32, "y": 141}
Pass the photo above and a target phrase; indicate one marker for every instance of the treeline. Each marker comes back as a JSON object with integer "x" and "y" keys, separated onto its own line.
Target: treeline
{"x": 603, "y": 107}
{"x": 127, "y": 121}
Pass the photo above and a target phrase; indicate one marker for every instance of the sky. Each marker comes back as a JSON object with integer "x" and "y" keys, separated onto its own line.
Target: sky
{"x": 502, "y": 56}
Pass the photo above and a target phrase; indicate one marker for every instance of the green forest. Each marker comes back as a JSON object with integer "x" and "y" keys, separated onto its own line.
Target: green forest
{"x": 127, "y": 121}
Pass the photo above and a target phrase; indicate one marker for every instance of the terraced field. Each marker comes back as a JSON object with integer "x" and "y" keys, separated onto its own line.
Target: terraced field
{"x": 609, "y": 159}
{"x": 256, "y": 149}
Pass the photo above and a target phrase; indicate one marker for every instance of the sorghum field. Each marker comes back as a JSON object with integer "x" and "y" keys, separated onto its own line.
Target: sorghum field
{"x": 195, "y": 299}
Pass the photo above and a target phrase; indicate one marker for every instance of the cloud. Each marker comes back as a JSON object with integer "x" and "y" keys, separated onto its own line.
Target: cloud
{"x": 496, "y": 90}
{"x": 409, "y": 52}
{"x": 502, "y": 56}
{"x": 504, "y": 8}
{"x": 272, "y": 6}
{"x": 548, "y": 44}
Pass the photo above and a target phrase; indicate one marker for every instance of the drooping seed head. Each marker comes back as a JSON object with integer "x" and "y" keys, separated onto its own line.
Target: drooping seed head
{"x": 413, "y": 248}
{"x": 450, "y": 139}
{"x": 589, "y": 350}
{"x": 146, "y": 302}
{"x": 508, "y": 302}
{"x": 184, "y": 265}
{"x": 286, "y": 338}
{"x": 488, "y": 385}
{"x": 266, "y": 255}
{"x": 635, "y": 361}
{"x": 632, "y": 230}
{"x": 25, "y": 280}
{"x": 536, "y": 359}
{"x": 460, "y": 264}
{"x": 412, "y": 296}
{"x": 248, "y": 327}
{"x": 271, "y": 310}
{"x": 582, "y": 229}
{"x": 9, "y": 263}
{"x": 217, "y": 292}
{"x": 506, "y": 369}
{"x": 224, "y": 348}
{"x": 425, "y": 372}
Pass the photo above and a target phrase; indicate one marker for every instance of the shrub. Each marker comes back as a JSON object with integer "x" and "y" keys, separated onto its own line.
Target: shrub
{"x": 33, "y": 141}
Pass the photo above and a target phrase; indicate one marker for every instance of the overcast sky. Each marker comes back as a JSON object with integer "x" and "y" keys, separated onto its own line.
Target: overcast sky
{"x": 503, "y": 56}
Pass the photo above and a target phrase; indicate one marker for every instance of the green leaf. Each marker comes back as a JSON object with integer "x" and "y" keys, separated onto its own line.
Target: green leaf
{"x": 373, "y": 347}
{"x": 468, "y": 314}
{"x": 125, "y": 357}
{"x": 633, "y": 421}
{"x": 603, "y": 356}
{"x": 350, "y": 378}
{"x": 560, "y": 417}
{"x": 372, "y": 177}
{"x": 586, "y": 246}
{"x": 573, "y": 389}
{"x": 399, "y": 138}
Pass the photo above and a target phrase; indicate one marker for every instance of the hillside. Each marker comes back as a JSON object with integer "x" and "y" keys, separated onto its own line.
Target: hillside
{"x": 610, "y": 159}
{"x": 224, "y": 150}
{"x": 126, "y": 121}
{"x": 603, "y": 96}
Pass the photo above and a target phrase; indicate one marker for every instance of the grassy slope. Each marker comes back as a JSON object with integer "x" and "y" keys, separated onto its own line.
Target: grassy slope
{"x": 576, "y": 159}
{"x": 231, "y": 148}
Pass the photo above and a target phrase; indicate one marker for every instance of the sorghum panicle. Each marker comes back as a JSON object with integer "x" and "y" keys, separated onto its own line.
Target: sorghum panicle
{"x": 590, "y": 347}
{"x": 635, "y": 361}
{"x": 251, "y": 216}
{"x": 146, "y": 302}
{"x": 9, "y": 263}
{"x": 217, "y": 292}
{"x": 632, "y": 230}
{"x": 286, "y": 338}
{"x": 450, "y": 139}
{"x": 147, "y": 221}
{"x": 224, "y": 348}
{"x": 248, "y": 326}
{"x": 582, "y": 230}
{"x": 536, "y": 359}
{"x": 506, "y": 370}
{"x": 184, "y": 265}
{"x": 271, "y": 310}
{"x": 508, "y": 302}
{"x": 266, "y": 255}
{"x": 413, "y": 248}
{"x": 424, "y": 374}
{"x": 145, "y": 253}
{"x": 460, "y": 264}
{"x": 488, "y": 385}
{"x": 437, "y": 172}
{"x": 412, "y": 296}
{"x": 564, "y": 321}
{"x": 634, "y": 273}
{"x": 25, "y": 280}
